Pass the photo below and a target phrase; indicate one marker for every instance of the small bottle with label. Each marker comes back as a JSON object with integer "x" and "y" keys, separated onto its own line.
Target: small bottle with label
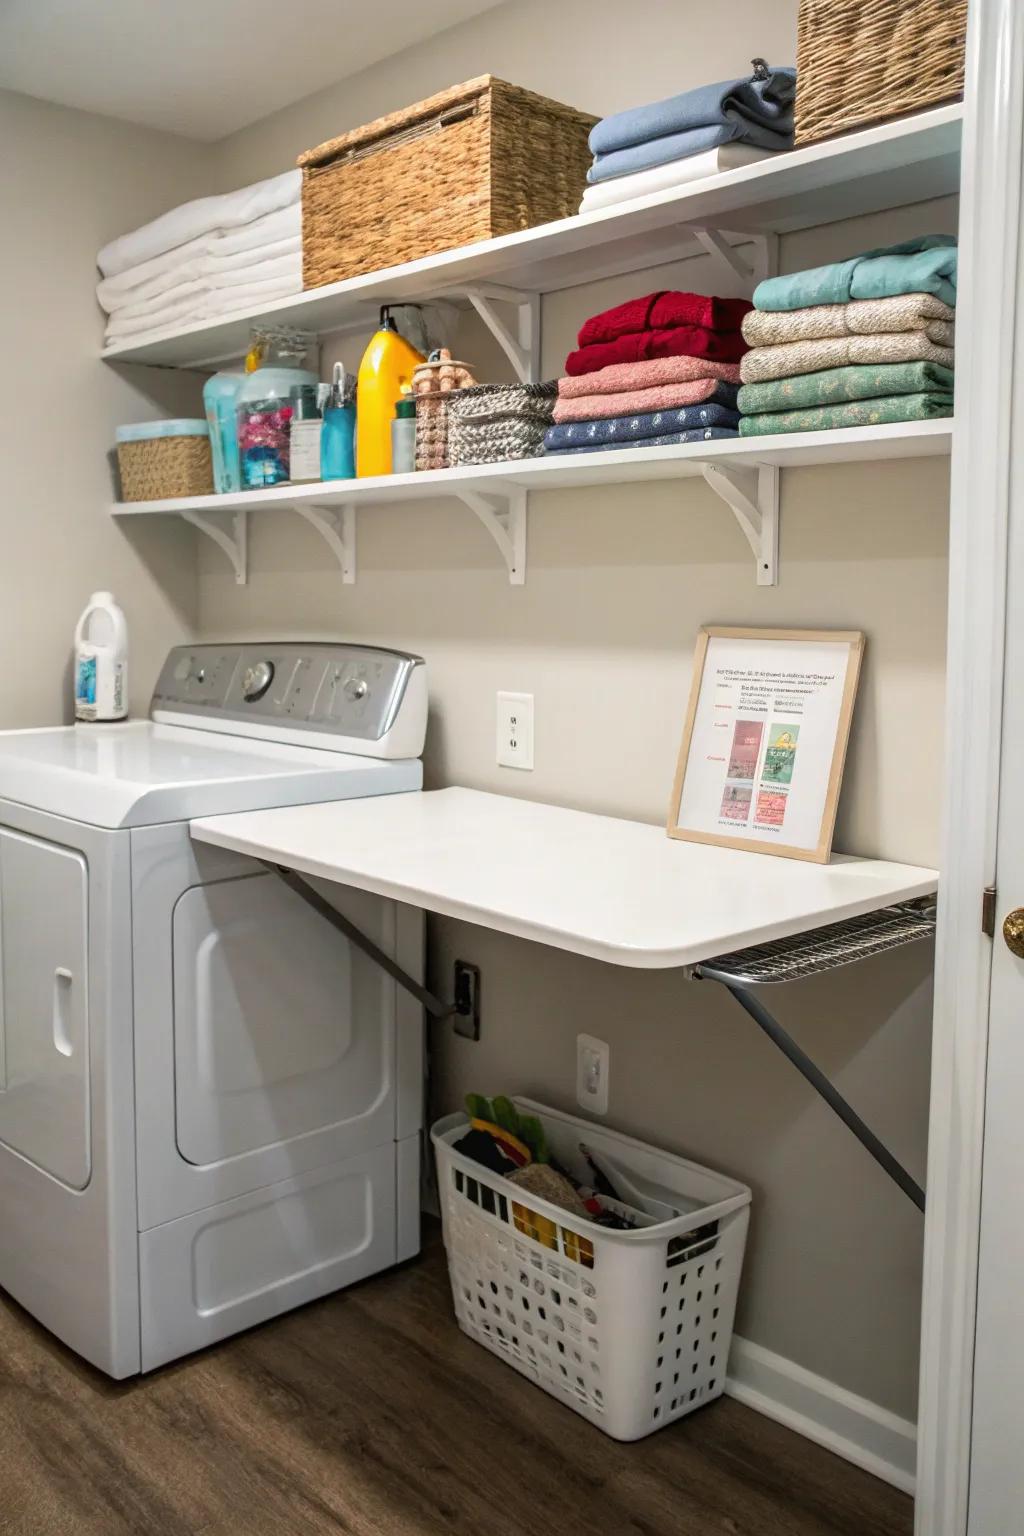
{"x": 306, "y": 427}
{"x": 403, "y": 437}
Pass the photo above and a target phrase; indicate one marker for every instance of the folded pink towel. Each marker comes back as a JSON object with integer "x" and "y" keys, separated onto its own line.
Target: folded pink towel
{"x": 647, "y": 374}
{"x": 635, "y": 401}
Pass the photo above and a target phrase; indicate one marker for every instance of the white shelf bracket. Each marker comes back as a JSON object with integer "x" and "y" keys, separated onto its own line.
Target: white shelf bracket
{"x": 753, "y": 497}
{"x": 337, "y": 527}
{"x": 229, "y": 531}
{"x": 504, "y": 517}
{"x": 521, "y": 347}
{"x": 735, "y": 263}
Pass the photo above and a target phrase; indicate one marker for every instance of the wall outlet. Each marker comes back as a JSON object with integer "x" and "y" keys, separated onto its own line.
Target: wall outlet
{"x": 593, "y": 1064}
{"x": 515, "y": 730}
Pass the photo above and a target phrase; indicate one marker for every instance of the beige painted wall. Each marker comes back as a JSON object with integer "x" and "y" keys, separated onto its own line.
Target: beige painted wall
{"x": 602, "y": 635}
{"x": 69, "y": 182}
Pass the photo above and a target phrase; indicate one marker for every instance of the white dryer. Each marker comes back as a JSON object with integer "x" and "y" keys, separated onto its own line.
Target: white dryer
{"x": 210, "y": 1102}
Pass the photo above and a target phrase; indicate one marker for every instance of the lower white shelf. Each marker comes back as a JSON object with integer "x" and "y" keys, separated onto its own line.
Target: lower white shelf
{"x": 743, "y": 472}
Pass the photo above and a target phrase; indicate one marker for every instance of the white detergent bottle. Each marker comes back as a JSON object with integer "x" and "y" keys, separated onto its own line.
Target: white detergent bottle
{"x": 101, "y": 661}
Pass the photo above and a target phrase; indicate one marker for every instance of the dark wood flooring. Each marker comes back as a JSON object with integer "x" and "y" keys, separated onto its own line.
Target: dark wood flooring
{"x": 370, "y": 1414}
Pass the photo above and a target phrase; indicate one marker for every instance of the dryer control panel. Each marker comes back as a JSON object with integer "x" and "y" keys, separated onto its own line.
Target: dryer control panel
{"x": 347, "y": 698}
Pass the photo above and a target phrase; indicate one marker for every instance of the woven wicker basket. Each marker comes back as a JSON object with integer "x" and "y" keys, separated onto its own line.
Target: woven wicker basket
{"x": 480, "y": 159}
{"x": 865, "y": 61}
{"x": 162, "y": 467}
{"x": 433, "y": 384}
{"x": 494, "y": 422}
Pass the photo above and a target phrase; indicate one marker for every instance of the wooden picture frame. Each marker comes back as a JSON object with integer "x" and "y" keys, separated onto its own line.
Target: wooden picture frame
{"x": 785, "y": 697}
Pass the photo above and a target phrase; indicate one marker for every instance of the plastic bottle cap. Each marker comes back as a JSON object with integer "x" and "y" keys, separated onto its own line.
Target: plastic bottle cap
{"x": 405, "y": 407}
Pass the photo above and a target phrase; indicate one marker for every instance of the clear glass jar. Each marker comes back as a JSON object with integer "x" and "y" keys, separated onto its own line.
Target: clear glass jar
{"x": 263, "y": 404}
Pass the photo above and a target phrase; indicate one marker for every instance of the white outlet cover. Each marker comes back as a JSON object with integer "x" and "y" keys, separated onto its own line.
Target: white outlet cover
{"x": 515, "y": 730}
{"x": 593, "y": 1066}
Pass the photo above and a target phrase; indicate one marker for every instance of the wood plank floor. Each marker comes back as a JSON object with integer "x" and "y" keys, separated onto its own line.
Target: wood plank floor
{"x": 370, "y": 1414}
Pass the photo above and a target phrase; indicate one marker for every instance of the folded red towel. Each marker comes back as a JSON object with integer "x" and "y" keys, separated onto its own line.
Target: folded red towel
{"x": 680, "y": 341}
{"x": 659, "y": 311}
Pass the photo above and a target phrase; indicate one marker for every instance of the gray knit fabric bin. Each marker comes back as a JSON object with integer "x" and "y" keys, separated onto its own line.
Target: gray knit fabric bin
{"x": 490, "y": 423}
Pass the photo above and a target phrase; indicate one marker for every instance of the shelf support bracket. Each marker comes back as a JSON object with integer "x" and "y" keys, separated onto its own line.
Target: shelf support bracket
{"x": 337, "y": 527}
{"x": 753, "y": 497}
{"x": 733, "y": 263}
{"x": 229, "y": 531}
{"x": 521, "y": 346}
{"x": 504, "y": 517}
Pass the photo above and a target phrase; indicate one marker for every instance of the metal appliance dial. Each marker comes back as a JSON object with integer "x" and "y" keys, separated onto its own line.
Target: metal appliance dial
{"x": 355, "y": 689}
{"x": 257, "y": 680}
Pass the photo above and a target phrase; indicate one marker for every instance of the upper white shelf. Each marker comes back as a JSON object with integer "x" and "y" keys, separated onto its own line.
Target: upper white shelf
{"x": 908, "y": 161}
{"x": 615, "y": 890}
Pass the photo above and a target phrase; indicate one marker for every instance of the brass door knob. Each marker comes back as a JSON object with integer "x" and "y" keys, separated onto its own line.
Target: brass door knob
{"x": 1013, "y": 931}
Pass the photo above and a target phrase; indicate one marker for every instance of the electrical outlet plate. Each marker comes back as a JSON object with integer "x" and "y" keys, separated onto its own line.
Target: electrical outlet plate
{"x": 515, "y": 730}
{"x": 593, "y": 1065}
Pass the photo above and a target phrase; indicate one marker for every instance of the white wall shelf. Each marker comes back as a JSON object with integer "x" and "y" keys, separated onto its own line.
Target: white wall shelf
{"x": 744, "y": 472}
{"x": 884, "y": 167}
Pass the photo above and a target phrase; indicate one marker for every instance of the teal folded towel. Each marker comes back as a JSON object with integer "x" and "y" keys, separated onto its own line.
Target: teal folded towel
{"x": 925, "y": 265}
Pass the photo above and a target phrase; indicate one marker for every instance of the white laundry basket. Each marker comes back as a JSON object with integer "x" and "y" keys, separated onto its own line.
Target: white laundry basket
{"x": 631, "y": 1329}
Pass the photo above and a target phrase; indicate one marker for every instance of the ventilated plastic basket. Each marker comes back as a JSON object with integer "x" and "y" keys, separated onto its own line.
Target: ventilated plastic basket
{"x": 631, "y": 1329}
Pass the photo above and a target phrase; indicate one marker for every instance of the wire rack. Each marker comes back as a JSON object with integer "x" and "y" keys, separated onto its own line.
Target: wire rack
{"x": 824, "y": 949}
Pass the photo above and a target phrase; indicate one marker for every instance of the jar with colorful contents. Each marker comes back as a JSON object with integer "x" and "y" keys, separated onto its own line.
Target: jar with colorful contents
{"x": 263, "y": 404}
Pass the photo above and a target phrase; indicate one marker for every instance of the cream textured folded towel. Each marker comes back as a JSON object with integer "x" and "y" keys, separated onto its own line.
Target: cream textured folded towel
{"x": 794, "y": 357}
{"x": 863, "y": 317}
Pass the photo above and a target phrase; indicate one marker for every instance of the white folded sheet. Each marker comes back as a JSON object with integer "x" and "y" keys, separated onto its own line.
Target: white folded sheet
{"x": 660, "y": 178}
{"x": 281, "y": 259}
{"x": 205, "y": 216}
{"x": 209, "y": 304}
{"x": 168, "y": 269}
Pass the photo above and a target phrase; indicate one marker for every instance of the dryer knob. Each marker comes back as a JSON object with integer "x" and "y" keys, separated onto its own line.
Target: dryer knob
{"x": 356, "y": 688}
{"x": 257, "y": 680}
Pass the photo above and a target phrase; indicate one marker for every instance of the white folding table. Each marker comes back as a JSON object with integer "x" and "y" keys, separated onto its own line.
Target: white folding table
{"x": 613, "y": 890}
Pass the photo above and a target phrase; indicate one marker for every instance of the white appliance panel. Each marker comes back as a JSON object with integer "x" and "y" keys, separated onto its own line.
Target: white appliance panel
{"x": 277, "y": 1034}
{"x": 44, "y": 1016}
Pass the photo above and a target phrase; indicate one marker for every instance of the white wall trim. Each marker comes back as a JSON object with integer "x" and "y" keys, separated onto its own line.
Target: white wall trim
{"x": 851, "y": 1426}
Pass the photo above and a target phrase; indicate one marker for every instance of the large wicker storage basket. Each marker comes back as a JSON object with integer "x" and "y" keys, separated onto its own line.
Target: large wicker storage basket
{"x": 865, "y": 61}
{"x": 480, "y": 159}
{"x": 160, "y": 459}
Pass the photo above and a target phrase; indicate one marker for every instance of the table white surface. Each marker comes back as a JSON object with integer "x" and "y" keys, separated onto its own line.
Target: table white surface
{"x": 615, "y": 890}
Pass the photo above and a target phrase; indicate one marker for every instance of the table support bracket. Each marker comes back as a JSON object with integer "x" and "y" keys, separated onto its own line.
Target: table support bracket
{"x": 464, "y": 1010}
{"x": 503, "y": 514}
{"x": 337, "y": 527}
{"x": 521, "y": 346}
{"x": 753, "y": 497}
{"x": 229, "y": 531}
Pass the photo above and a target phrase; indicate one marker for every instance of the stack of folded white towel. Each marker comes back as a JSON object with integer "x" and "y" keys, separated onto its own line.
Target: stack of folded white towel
{"x": 205, "y": 259}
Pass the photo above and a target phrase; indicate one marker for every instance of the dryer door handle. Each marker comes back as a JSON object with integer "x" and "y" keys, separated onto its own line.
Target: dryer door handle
{"x": 63, "y": 981}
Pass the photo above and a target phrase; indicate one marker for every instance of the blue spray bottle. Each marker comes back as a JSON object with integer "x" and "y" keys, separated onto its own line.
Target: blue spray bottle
{"x": 338, "y": 437}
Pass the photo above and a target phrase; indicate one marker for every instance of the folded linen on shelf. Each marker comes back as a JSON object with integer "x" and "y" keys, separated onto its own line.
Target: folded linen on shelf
{"x": 622, "y": 430}
{"x": 264, "y": 234}
{"x": 641, "y": 346}
{"x": 661, "y": 310}
{"x": 204, "y": 216}
{"x": 662, "y": 178}
{"x": 276, "y": 269}
{"x": 618, "y": 377}
{"x": 243, "y": 265}
{"x": 210, "y": 305}
{"x": 861, "y": 317}
{"x": 757, "y": 109}
{"x": 832, "y": 386}
{"x": 837, "y": 351}
{"x": 927, "y": 264}
{"x": 663, "y": 397}
{"x": 852, "y": 413}
{"x": 666, "y": 440}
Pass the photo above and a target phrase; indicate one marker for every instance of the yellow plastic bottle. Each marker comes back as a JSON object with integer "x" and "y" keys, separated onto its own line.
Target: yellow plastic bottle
{"x": 385, "y": 373}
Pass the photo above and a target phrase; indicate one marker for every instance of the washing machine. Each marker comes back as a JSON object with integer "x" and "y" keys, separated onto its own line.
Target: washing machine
{"x": 211, "y": 1103}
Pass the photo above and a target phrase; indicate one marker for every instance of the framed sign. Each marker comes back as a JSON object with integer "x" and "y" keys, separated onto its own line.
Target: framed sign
{"x": 765, "y": 737}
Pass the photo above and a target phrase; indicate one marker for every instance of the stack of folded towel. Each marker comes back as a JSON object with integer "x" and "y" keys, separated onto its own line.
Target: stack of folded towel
{"x": 856, "y": 343}
{"x": 657, "y": 370}
{"x": 713, "y": 128}
{"x": 207, "y": 258}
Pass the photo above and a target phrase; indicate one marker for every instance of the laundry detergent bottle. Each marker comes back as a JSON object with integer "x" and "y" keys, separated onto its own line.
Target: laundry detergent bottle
{"x": 385, "y": 374}
{"x": 101, "y": 661}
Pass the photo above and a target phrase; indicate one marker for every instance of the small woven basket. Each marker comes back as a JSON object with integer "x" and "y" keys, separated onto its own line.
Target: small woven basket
{"x": 480, "y": 159}
{"x": 158, "y": 468}
{"x": 494, "y": 422}
{"x": 864, "y": 61}
{"x": 433, "y": 384}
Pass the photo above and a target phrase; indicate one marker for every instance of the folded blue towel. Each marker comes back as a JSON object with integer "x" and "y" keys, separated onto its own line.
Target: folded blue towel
{"x": 621, "y": 431}
{"x": 581, "y": 442}
{"x": 756, "y": 109}
{"x": 925, "y": 265}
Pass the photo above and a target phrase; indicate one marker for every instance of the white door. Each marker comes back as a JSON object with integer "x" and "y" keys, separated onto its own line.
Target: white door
{"x": 44, "y": 1046}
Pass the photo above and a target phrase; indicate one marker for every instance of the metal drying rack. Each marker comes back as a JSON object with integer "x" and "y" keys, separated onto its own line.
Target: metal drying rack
{"x": 812, "y": 954}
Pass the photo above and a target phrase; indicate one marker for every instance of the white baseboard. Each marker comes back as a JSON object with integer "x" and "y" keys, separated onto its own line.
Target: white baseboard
{"x": 851, "y": 1426}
